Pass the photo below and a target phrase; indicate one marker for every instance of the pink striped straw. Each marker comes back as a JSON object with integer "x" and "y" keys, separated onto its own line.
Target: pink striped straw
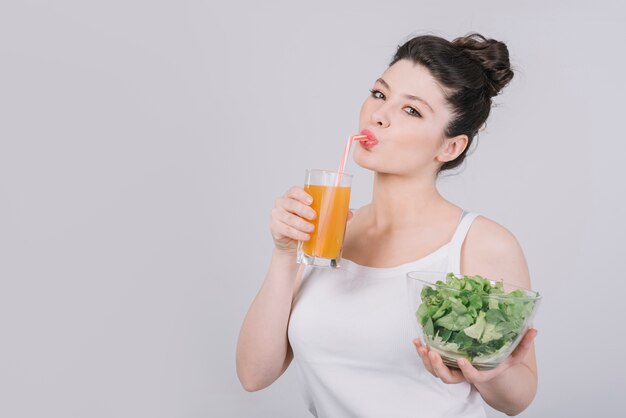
{"x": 346, "y": 154}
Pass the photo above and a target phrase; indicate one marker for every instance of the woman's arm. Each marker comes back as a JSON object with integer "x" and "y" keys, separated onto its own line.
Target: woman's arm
{"x": 263, "y": 350}
{"x": 493, "y": 252}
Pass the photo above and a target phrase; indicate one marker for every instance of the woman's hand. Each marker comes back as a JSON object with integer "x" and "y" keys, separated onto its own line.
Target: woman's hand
{"x": 288, "y": 223}
{"x": 467, "y": 373}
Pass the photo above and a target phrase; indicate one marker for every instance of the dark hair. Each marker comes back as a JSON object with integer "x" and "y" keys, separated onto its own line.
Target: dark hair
{"x": 472, "y": 69}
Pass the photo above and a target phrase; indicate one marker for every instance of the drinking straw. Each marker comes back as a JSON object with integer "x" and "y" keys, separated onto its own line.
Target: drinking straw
{"x": 346, "y": 153}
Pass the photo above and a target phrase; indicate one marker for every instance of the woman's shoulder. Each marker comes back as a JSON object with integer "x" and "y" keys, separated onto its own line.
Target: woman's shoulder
{"x": 493, "y": 251}
{"x": 488, "y": 233}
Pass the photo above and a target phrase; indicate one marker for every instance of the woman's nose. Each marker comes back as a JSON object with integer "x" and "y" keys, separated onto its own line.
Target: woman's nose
{"x": 380, "y": 117}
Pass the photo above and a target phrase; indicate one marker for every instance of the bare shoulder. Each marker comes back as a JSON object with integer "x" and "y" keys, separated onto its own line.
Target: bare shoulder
{"x": 492, "y": 251}
{"x": 486, "y": 234}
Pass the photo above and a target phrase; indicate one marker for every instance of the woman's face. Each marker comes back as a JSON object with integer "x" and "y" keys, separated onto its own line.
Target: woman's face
{"x": 405, "y": 116}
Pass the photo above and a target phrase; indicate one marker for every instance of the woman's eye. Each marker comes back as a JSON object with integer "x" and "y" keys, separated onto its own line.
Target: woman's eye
{"x": 412, "y": 112}
{"x": 377, "y": 94}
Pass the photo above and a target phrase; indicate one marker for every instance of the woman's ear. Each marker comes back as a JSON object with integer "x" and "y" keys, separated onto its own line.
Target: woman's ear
{"x": 452, "y": 148}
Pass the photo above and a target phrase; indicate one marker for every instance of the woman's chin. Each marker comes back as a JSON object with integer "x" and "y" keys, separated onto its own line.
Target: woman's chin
{"x": 364, "y": 163}
{"x": 358, "y": 160}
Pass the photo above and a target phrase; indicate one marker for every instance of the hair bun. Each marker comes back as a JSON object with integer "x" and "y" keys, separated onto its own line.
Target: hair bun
{"x": 492, "y": 55}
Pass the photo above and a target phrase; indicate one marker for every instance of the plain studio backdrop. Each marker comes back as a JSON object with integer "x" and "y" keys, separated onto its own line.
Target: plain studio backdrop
{"x": 143, "y": 143}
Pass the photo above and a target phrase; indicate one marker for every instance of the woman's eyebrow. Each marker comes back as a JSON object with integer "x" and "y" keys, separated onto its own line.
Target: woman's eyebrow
{"x": 408, "y": 96}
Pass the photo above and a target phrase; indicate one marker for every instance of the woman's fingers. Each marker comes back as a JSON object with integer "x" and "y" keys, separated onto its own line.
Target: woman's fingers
{"x": 471, "y": 374}
{"x": 434, "y": 364}
{"x": 296, "y": 207}
{"x": 423, "y": 353}
{"x": 283, "y": 227}
{"x": 443, "y": 372}
{"x": 350, "y": 214}
{"x": 289, "y": 217}
{"x": 294, "y": 221}
{"x": 286, "y": 231}
{"x": 298, "y": 193}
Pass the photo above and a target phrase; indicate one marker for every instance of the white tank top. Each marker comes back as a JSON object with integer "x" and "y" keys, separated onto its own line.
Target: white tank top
{"x": 351, "y": 331}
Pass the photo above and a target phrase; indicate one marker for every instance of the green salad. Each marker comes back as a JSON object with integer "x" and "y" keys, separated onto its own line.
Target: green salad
{"x": 459, "y": 316}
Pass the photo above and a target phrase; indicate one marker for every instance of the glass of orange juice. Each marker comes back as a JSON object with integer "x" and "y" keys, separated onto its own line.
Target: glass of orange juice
{"x": 331, "y": 201}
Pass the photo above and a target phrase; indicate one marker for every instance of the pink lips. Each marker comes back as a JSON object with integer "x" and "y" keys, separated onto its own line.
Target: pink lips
{"x": 371, "y": 140}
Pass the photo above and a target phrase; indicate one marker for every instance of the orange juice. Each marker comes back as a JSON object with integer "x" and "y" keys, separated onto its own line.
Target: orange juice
{"x": 331, "y": 205}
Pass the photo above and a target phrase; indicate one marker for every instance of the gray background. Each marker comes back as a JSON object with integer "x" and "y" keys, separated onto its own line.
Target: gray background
{"x": 143, "y": 143}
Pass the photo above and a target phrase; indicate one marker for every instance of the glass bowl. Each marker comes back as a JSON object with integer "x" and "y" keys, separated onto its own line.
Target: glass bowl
{"x": 470, "y": 316}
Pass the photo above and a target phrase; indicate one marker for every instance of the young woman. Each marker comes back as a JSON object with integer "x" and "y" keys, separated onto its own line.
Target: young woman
{"x": 348, "y": 328}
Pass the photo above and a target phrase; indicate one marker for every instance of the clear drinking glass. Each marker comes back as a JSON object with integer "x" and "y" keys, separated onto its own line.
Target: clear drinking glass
{"x": 331, "y": 201}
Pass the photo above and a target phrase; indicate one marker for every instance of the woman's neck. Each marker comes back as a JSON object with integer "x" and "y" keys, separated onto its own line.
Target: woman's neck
{"x": 400, "y": 202}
